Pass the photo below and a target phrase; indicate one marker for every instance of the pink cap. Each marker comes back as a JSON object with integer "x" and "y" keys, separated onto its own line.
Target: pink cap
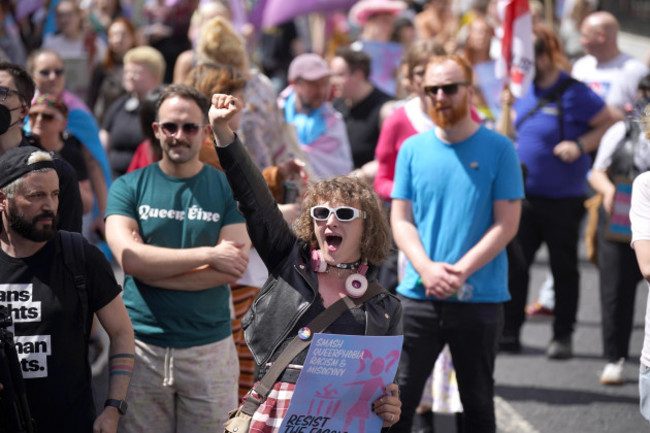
{"x": 309, "y": 67}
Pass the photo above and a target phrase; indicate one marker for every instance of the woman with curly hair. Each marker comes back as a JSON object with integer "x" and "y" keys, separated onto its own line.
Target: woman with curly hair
{"x": 340, "y": 232}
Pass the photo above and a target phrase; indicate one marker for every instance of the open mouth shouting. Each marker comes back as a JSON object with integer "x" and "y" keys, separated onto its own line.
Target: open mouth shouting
{"x": 333, "y": 242}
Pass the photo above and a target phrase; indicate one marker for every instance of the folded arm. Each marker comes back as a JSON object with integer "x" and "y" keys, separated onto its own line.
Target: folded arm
{"x": 205, "y": 277}
{"x": 150, "y": 263}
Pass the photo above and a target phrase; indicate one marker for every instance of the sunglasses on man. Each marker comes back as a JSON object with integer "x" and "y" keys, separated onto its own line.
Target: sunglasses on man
{"x": 342, "y": 213}
{"x": 448, "y": 89}
{"x": 171, "y": 128}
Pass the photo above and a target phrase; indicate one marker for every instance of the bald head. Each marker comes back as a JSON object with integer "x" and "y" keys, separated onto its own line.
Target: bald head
{"x": 598, "y": 35}
{"x": 605, "y": 22}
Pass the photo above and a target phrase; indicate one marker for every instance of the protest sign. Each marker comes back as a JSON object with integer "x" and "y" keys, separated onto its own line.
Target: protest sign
{"x": 385, "y": 58}
{"x": 341, "y": 378}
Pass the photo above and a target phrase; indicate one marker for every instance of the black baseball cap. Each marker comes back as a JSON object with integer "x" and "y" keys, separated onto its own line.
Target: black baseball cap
{"x": 13, "y": 164}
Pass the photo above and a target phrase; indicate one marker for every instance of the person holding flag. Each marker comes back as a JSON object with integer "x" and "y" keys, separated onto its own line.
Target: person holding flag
{"x": 557, "y": 122}
{"x": 517, "y": 60}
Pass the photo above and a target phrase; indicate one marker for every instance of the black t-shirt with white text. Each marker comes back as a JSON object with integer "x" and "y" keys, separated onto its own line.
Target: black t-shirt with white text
{"x": 49, "y": 333}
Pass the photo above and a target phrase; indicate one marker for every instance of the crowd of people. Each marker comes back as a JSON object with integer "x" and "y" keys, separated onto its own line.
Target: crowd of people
{"x": 247, "y": 179}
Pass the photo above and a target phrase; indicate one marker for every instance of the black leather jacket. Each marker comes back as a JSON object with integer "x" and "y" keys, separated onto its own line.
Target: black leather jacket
{"x": 292, "y": 285}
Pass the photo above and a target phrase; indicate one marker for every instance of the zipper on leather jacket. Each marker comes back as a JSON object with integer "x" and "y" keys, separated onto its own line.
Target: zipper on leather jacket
{"x": 300, "y": 269}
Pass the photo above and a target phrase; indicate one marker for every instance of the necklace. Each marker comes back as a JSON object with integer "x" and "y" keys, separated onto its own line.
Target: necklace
{"x": 343, "y": 269}
{"x": 340, "y": 273}
{"x": 351, "y": 265}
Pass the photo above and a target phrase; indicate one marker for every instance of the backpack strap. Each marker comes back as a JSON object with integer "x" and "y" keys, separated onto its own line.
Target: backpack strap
{"x": 554, "y": 96}
{"x": 74, "y": 259}
{"x": 622, "y": 160}
{"x": 297, "y": 345}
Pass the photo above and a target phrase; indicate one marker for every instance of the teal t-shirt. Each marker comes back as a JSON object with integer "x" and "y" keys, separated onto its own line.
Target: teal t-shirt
{"x": 176, "y": 213}
{"x": 452, "y": 188}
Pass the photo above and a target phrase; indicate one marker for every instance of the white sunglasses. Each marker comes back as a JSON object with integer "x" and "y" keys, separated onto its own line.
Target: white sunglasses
{"x": 342, "y": 213}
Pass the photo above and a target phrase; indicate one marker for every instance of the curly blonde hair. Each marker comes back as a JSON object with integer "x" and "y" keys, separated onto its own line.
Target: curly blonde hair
{"x": 219, "y": 43}
{"x": 375, "y": 239}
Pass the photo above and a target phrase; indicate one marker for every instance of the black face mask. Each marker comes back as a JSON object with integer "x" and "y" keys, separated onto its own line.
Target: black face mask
{"x": 5, "y": 119}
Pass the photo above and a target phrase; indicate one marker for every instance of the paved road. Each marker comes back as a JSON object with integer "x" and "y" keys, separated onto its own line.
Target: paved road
{"x": 535, "y": 395}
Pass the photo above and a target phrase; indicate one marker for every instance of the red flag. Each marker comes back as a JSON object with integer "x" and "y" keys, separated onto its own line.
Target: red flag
{"x": 517, "y": 60}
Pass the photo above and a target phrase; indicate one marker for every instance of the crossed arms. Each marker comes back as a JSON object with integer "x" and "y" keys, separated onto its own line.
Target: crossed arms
{"x": 189, "y": 269}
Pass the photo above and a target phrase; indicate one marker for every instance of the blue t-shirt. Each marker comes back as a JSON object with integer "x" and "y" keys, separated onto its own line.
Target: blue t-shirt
{"x": 452, "y": 188}
{"x": 549, "y": 176}
{"x": 176, "y": 213}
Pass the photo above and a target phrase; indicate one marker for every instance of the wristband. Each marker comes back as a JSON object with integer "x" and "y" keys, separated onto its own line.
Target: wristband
{"x": 120, "y": 405}
{"x": 581, "y": 148}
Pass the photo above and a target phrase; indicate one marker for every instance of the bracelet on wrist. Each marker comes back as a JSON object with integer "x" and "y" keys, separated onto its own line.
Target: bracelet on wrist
{"x": 581, "y": 148}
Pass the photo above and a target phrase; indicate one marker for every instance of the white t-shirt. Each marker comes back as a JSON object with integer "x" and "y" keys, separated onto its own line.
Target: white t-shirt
{"x": 611, "y": 141}
{"x": 640, "y": 218}
{"x": 615, "y": 81}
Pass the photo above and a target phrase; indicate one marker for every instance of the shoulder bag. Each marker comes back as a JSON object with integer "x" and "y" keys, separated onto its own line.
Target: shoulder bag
{"x": 239, "y": 419}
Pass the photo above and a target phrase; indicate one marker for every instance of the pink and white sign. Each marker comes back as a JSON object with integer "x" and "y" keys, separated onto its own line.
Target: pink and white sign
{"x": 341, "y": 378}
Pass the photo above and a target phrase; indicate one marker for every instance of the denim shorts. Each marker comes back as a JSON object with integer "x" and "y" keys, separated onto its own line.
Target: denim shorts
{"x": 644, "y": 391}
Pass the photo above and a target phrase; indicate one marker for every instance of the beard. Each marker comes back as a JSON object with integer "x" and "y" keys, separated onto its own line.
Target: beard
{"x": 27, "y": 229}
{"x": 448, "y": 118}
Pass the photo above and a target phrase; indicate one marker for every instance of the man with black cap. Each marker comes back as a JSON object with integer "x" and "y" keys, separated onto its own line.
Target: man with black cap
{"x": 16, "y": 93}
{"x": 52, "y": 306}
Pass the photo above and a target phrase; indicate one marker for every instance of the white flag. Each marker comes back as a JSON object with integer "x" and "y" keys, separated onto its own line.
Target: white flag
{"x": 517, "y": 59}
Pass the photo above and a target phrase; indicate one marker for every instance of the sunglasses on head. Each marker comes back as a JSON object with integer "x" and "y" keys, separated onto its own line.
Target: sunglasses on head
{"x": 4, "y": 92}
{"x": 47, "y": 117}
{"x": 47, "y": 72}
{"x": 171, "y": 128}
{"x": 448, "y": 89}
{"x": 342, "y": 213}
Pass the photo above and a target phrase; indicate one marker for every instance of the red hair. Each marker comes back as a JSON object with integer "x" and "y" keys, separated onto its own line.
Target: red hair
{"x": 546, "y": 42}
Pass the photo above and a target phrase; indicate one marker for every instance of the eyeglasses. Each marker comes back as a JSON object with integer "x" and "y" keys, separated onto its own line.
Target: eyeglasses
{"x": 5, "y": 92}
{"x": 45, "y": 73}
{"x": 342, "y": 213}
{"x": 447, "y": 89}
{"x": 170, "y": 128}
{"x": 47, "y": 117}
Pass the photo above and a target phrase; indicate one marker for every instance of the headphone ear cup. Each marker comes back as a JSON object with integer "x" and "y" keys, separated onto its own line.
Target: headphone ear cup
{"x": 356, "y": 285}
{"x": 318, "y": 264}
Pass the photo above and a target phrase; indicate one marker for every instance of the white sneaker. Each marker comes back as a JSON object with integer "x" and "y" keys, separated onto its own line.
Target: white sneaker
{"x": 613, "y": 373}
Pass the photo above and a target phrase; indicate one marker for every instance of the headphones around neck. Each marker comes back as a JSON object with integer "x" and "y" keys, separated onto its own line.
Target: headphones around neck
{"x": 355, "y": 284}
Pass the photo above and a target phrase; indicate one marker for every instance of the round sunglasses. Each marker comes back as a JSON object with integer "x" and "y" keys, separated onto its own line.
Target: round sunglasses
{"x": 342, "y": 213}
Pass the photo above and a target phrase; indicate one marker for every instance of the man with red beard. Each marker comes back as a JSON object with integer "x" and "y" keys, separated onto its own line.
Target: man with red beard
{"x": 456, "y": 204}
